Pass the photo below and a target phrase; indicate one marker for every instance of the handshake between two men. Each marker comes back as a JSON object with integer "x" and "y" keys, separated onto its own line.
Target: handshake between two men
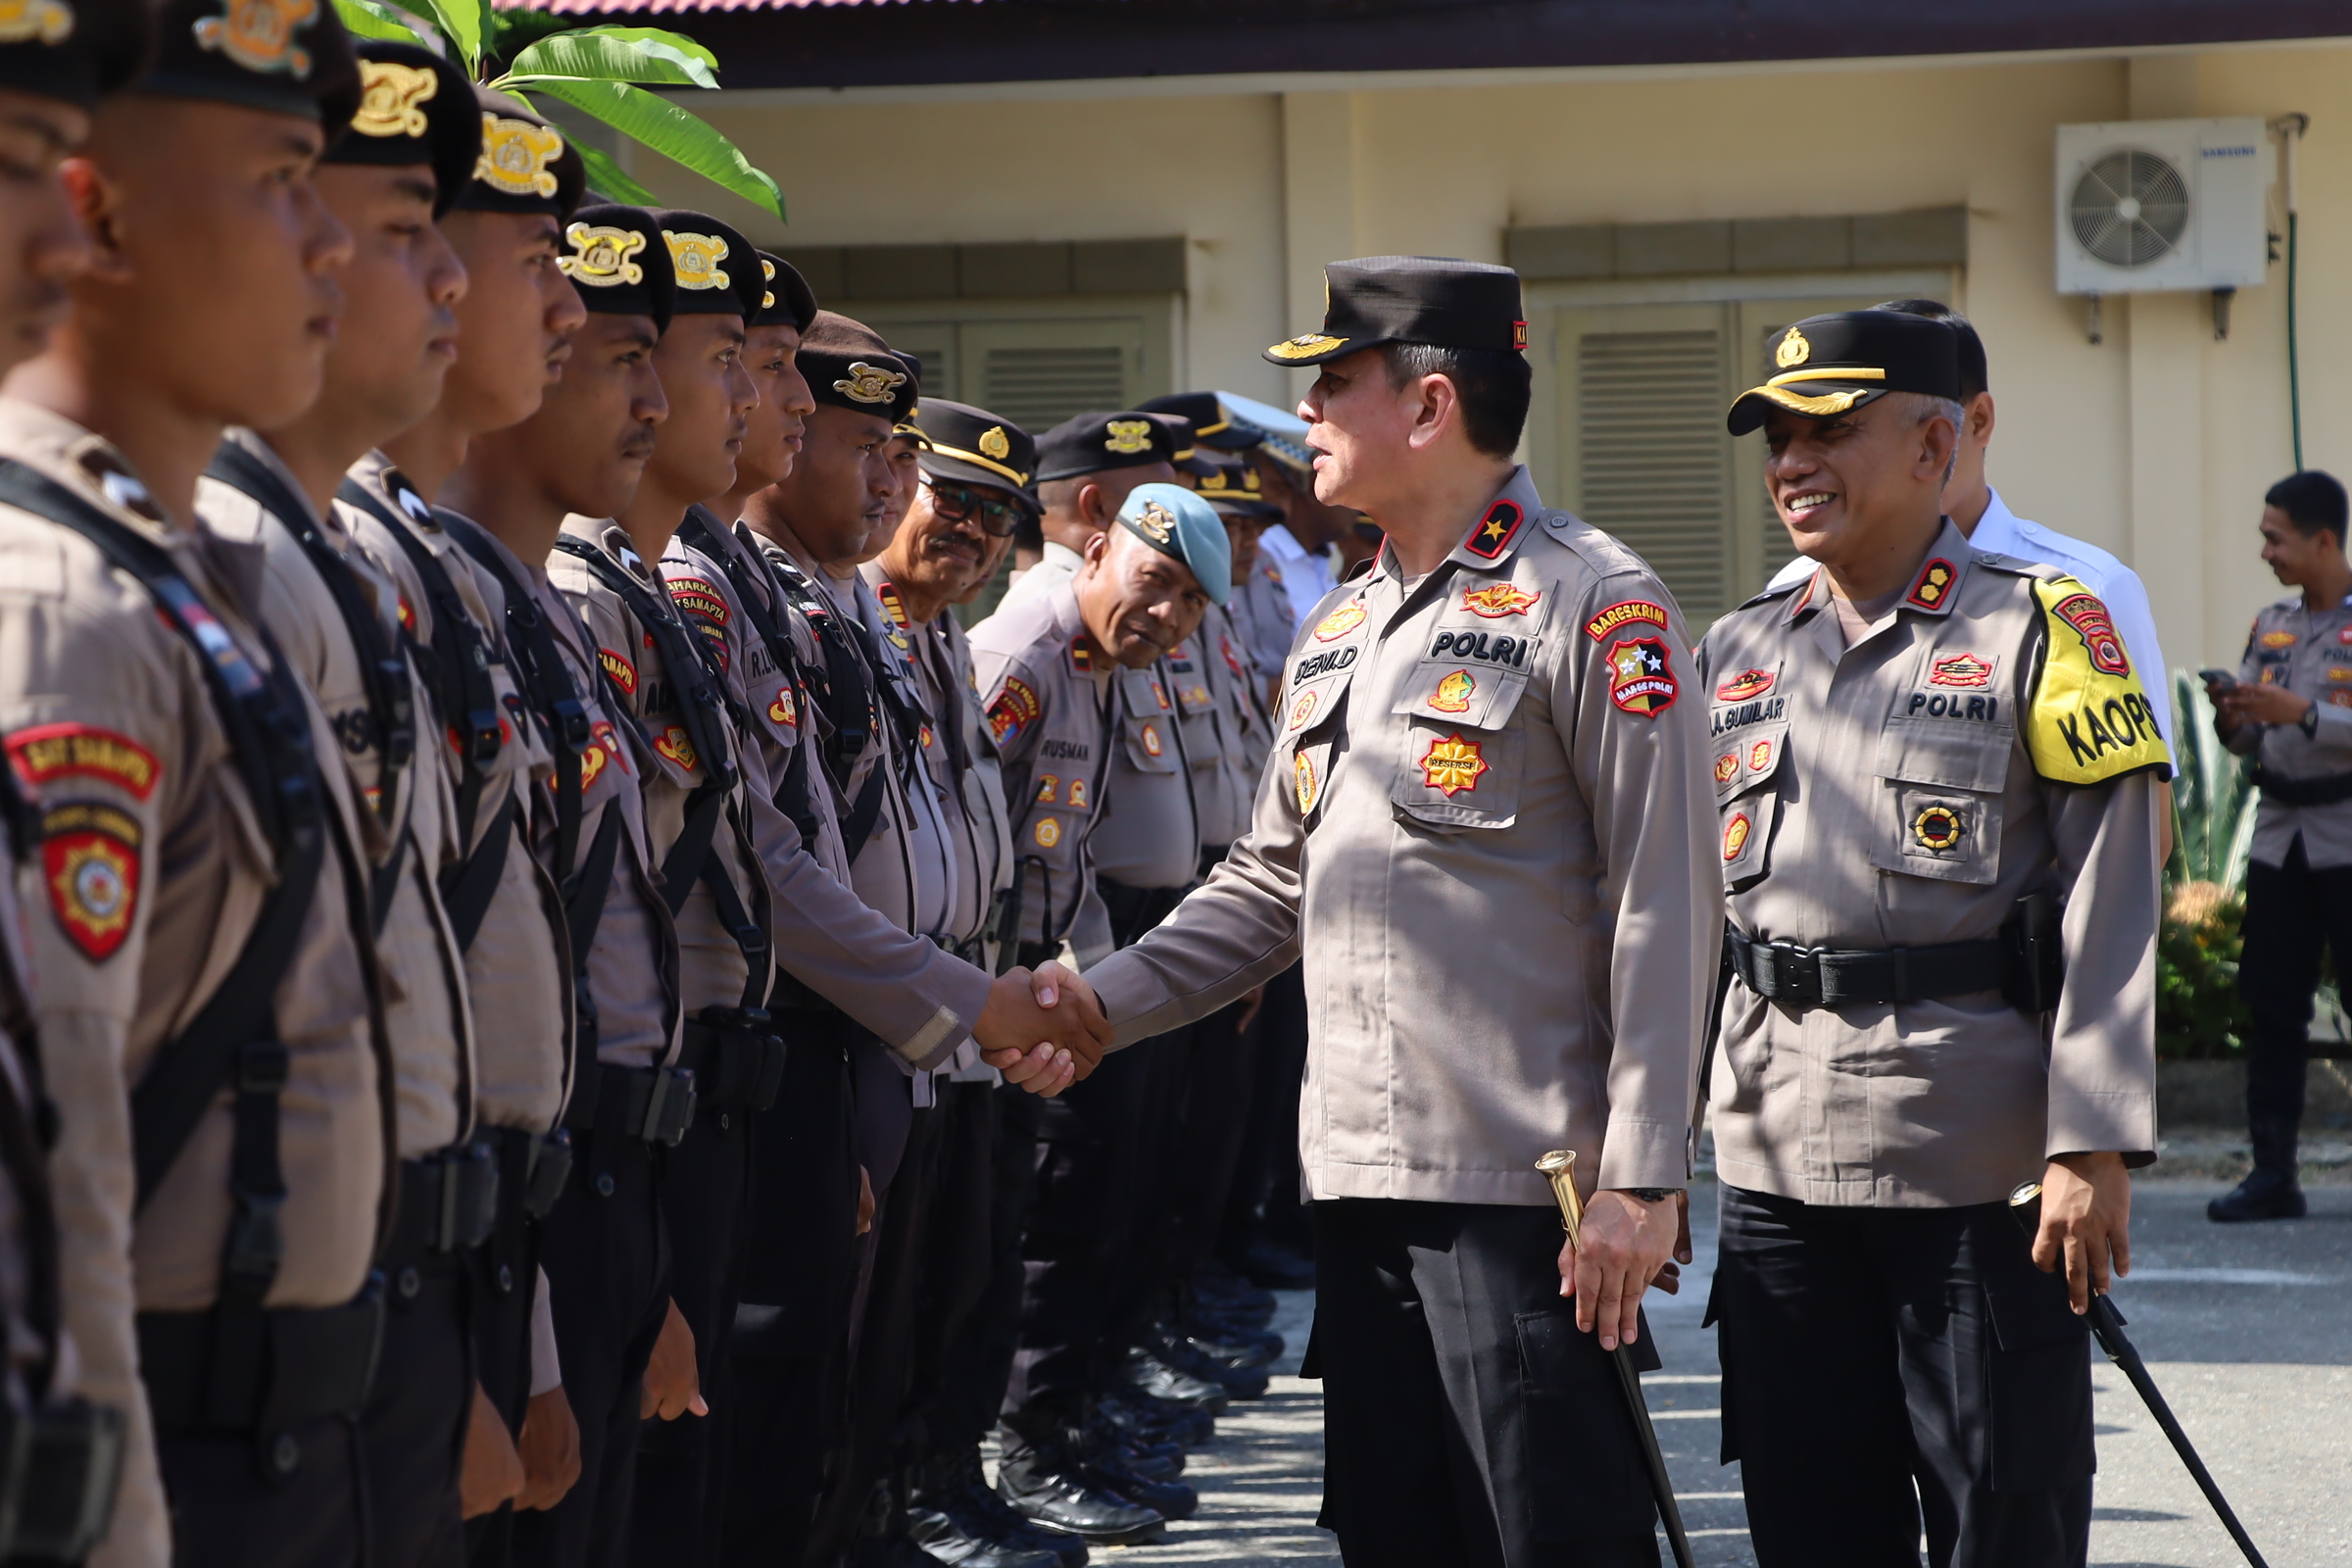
{"x": 1042, "y": 1029}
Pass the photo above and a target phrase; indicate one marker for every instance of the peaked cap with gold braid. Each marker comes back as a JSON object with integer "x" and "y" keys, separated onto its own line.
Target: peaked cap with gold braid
{"x": 414, "y": 108}
{"x": 1830, "y": 364}
{"x": 972, "y": 446}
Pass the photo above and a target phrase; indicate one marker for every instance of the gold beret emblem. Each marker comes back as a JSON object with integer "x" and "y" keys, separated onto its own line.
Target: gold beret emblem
{"x": 1308, "y": 343}
{"x": 992, "y": 443}
{"x": 868, "y": 383}
{"x": 258, "y": 34}
{"x": 696, "y": 258}
{"x": 514, "y": 156}
{"x": 767, "y": 275}
{"x": 1127, "y": 436}
{"x": 1155, "y": 522}
{"x": 388, "y": 98}
{"x": 1793, "y": 350}
{"x": 601, "y": 255}
{"x": 28, "y": 20}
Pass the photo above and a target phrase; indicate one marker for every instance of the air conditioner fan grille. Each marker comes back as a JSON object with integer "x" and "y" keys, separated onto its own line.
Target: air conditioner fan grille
{"x": 2130, "y": 208}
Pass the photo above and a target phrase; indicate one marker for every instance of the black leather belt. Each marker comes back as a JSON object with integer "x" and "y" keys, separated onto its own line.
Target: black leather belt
{"x": 2024, "y": 964}
{"x": 654, "y": 1103}
{"x": 737, "y": 1057}
{"x": 2332, "y": 790}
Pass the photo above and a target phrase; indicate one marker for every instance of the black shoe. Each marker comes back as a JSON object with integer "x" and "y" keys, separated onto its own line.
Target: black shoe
{"x": 1174, "y": 1350}
{"x": 1242, "y": 1349}
{"x": 1139, "y": 1415}
{"x": 1056, "y": 1495}
{"x": 2270, "y": 1193}
{"x": 1136, "y": 1455}
{"x": 953, "y": 1534}
{"x": 1272, "y": 1266}
{"x": 953, "y": 1480}
{"x": 1170, "y": 1499}
{"x": 1144, "y": 1371}
{"x": 1224, "y": 1291}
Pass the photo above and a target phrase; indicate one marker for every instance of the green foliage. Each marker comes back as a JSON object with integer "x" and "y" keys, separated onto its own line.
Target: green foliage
{"x": 2198, "y": 1012}
{"x": 2213, "y": 803}
{"x": 599, "y": 71}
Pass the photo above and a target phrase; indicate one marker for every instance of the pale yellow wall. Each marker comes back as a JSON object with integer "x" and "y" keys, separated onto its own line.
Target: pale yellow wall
{"x": 2156, "y": 444}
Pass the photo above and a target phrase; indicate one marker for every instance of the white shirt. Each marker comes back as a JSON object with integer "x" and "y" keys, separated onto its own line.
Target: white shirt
{"x": 1305, "y": 577}
{"x": 2003, "y": 532}
{"x": 1058, "y": 564}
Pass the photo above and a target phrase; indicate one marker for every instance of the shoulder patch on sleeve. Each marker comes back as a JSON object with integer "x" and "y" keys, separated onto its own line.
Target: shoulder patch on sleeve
{"x": 47, "y": 751}
{"x": 618, "y": 665}
{"x": 2089, "y": 719}
{"x": 1015, "y": 708}
{"x": 1626, "y": 612}
{"x": 90, "y": 861}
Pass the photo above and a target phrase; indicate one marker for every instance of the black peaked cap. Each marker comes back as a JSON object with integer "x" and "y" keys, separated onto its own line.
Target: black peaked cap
{"x": 973, "y": 445}
{"x": 1826, "y": 365}
{"x": 848, "y": 365}
{"x": 1213, "y": 424}
{"x": 1091, "y": 443}
{"x": 1434, "y": 299}
{"x": 414, "y": 108}
{"x": 718, "y": 272}
{"x": 75, "y": 51}
{"x": 1238, "y": 492}
{"x": 288, "y": 57}
{"x": 525, "y": 165}
{"x": 620, "y": 262}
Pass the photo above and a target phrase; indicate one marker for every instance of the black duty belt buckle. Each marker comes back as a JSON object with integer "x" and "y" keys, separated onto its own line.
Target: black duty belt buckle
{"x": 668, "y": 1107}
{"x": 62, "y": 1462}
{"x": 1795, "y": 974}
{"x": 548, "y": 1170}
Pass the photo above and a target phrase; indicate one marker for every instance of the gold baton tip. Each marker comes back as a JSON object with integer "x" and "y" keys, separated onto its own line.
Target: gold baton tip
{"x": 2023, "y": 1194}
{"x": 1561, "y": 1166}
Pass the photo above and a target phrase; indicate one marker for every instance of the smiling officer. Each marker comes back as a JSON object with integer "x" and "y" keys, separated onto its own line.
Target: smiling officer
{"x": 1936, "y": 773}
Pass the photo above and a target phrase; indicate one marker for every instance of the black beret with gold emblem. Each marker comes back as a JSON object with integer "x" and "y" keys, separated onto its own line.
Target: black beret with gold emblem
{"x": 849, "y": 365}
{"x": 288, "y": 57}
{"x": 1213, "y": 424}
{"x": 74, "y": 50}
{"x": 1432, "y": 300}
{"x": 718, "y": 272}
{"x": 788, "y": 300}
{"x": 974, "y": 446}
{"x": 414, "y": 108}
{"x": 525, "y": 164}
{"x": 615, "y": 257}
{"x": 1830, "y": 364}
{"x": 1091, "y": 443}
{"x": 1238, "y": 492}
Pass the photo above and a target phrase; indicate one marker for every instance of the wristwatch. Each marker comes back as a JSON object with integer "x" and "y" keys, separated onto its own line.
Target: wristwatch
{"x": 2309, "y": 723}
{"x": 1652, "y": 1194}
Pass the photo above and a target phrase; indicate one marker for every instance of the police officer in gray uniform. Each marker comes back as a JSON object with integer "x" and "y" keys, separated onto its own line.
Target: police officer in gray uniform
{"x": 1937, "y": 774}
{"x": 1487, "y": 804}
{"x": 1085, "y": 466}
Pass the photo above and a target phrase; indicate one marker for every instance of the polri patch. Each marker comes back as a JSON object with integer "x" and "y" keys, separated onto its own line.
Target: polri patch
{"x": 1014, "y": 709}
{"x": 1642, "y": 676}
{"x": 2089, "y": 619}
{"x": 90, "y": 861}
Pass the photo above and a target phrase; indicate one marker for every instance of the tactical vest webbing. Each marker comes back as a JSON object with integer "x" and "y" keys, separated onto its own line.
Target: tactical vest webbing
{"x": 845, "y": 694}
{"x": 792, "y": 797}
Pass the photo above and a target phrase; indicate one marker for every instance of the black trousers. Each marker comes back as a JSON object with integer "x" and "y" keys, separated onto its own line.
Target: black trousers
{"x": 1889, "y": 1370}
{"x": 607, "y": 1257}
{"x": 706, "y": 1184}
{"x": 2292, "y": 911}
{"x": 979, "y": 1361}
{"x": 226, "y": 1515}
{"x": 1083, "y": 1219}
{"x": 505, "y": 1286}
{"x": 412, "y": 1428}
{"x": 1466, "y": 1421}
{"x": 958, "y": 1252}
{"x": 782, "y": 1409}
{"x": 1264, "y": 1196}
{"x": 1220, "y": 1084}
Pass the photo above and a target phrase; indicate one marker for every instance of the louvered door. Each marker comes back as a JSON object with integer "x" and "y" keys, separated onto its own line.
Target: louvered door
{"x": 1038, "y": 373}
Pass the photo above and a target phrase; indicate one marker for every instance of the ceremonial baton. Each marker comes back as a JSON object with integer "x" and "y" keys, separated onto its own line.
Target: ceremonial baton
{"x": 1561, "y": 1166}
{"x": 2108, "y": 1325}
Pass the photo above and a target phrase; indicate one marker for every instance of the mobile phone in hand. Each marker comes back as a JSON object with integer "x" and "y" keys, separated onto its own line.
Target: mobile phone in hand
{"x": 2219, "y": 679}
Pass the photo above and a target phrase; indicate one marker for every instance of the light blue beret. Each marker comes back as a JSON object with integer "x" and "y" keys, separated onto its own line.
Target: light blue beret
{"x": 1175, "y": 521}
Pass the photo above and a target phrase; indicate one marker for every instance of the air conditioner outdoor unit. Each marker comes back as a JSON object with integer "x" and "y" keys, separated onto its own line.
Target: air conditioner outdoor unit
{"x": 2162, "y": 204}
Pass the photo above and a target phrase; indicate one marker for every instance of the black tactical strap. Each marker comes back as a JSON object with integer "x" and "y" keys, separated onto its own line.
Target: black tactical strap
{"x": 383, "y": 669}
{"x": 585, "y": 893}
{"x": 24, "y": 1150}
{"x": 791, "y": 795}
{"x": 467, "y": 895}
{"x": 459, "y": 660}
{"x": 843, "y": 689}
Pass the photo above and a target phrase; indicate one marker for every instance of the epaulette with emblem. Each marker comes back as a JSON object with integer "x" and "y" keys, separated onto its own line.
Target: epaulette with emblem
{"x": 2017, "y": 565}
{"x": 1772, "y": 591}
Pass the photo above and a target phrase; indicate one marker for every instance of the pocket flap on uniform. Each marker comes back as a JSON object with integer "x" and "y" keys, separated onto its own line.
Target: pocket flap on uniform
{"x": 1150, "y": 742}
{"x": 1747, "y": 759}
{"x": 1475, "y": 695}
{"x": 1460, "y": 777}
{"x": 1958, "y": 753}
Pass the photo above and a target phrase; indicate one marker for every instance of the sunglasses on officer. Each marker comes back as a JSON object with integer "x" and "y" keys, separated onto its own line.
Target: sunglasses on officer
{"x": 959, "y": 504}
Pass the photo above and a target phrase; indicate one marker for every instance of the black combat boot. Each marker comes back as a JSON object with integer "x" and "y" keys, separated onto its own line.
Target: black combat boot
{"x": 1043, "y": 1475}
{"x": 2270, "y": 1191}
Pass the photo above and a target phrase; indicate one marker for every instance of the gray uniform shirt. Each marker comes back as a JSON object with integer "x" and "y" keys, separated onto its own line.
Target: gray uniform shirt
{"x": 1486, "y": 833}
{"x": 1986, "y": 739}
{"x": 2310, "y": 654}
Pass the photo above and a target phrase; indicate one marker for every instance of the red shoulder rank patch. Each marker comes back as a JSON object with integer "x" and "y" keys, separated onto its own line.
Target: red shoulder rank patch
{"x": 1744, "y": 685}
{"x": 1624, "y": 614}
{"x": 407, "y": 615}
{"x": 1642, "y": 676}
{"x": 90, "y": 861}
{"x": 1934, "y": 586}
{"x": 1972, "y": 671}
{"x": 1161, "y": 694}
{"x": 616, "y": 665}
{"x": 2088, "y": 614}
{"x": 1232, "y": 659}
{"x": 48, "y": 751}
{"x": 1015, "y": 708}
{"x": 890, "y": 606}
{"x": 1082, "y": 657}
{"x": 1495, "y": 530}
{"x": 1498, "y": 600}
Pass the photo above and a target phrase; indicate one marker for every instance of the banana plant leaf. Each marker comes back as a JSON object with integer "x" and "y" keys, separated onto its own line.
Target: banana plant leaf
{"x": 602, "y": 57}
{"x": 657, "y": 123}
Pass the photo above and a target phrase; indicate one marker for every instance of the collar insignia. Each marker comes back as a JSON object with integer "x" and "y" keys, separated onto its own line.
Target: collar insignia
{"x": 258, "y": 34}
{"x": 868, "y": 383}
{"x": 994, "y": 444}
{"x": 1935, "y": 584}
{"x": 1495, "y": 530}
{"x": 1793, "y": 350}
{"x": 1127, "y": 436}
{"x": 601, "y": 255}
{"x": 514, "y": 156}
{"x": 696, "y": 258}
{"x": 35, "y": 20}
{"x": 389, "y": 96}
